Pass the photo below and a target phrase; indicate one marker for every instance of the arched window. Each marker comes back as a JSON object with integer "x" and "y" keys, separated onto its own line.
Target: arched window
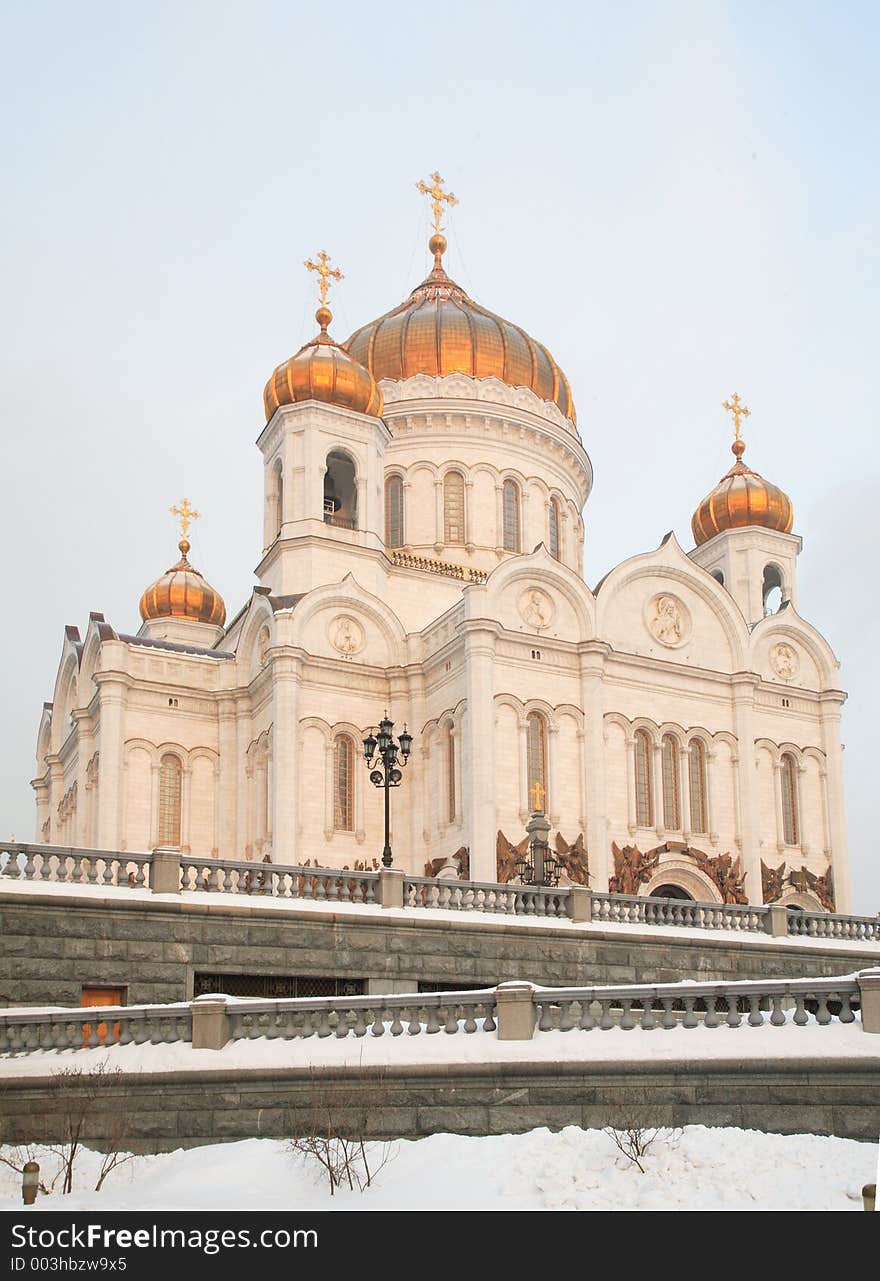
{"x": 555, "y": 542}
{"x": 394, "y": 512}
{"x": 790, "y": 823}
{"x": 671, "y": 794}
{"x": 697, "y": 781}
{"x": 343, "y": 784}
{"x": 510, "y": 511}
{"x": 170, "y": 776}
{"x": 771, "y": 589}
{"x": 450, "y": 775}
{"x": 536, "y": 745}
{"x": 644, "y": 779}
{"x": 340, "y": 491}
{"x": 453, "y": 507}
{"x": 718, "y": 576}
{"x": 279, "y": 497}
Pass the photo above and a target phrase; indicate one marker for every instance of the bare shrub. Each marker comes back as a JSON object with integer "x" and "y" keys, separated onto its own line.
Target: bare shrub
{"x": 331, "y": 1130}
{"x": 79, "y": 1094}
{"x": 632, "y": 1138}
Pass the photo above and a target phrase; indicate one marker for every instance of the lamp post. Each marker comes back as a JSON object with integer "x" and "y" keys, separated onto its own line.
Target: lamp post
{"x": 541, "y": 868}
{"x": 383, "y": 756}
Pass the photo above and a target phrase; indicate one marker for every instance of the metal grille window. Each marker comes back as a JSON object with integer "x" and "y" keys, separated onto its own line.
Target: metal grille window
{"x": 536, "y": 743}
{"x": 394, "y": 512}
{"x": 697, "y": 776}
{"x": 790, "y": 823}
{"x": 343, "y": 785}
{"x": 671, "y": 797}
{"x": 170, "y": 776}
{"x": 450, "y": 776}
{"x": 510, "y": 508}
{"x": 276, "y": 986}
{"x": 453, "y": 507}
{"x": 554, "y": 529}
{"x": 644, "y": 779}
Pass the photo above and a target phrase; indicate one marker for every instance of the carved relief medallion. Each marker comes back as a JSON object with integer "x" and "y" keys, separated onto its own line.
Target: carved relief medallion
{"x": 346, "y": 636}
{"x": 668, "y": 620}
{"x": 536, "y": 609}
{"x": 785, "y": 661}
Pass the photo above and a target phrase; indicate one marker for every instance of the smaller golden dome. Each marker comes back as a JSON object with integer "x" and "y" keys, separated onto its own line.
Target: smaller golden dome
{"x": 740, "y": 499}
{"x": 182, "y": 592}
{"x": 322, "y": 370}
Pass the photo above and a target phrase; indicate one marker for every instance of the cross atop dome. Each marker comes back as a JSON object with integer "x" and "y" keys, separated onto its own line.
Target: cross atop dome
{"x": 737, "y": 410}
{"x": 438, "y": 197}
{"x": 326, "y": 273}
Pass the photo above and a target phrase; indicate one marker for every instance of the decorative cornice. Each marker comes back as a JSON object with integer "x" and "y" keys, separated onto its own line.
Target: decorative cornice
{"x": 483, "y": 390}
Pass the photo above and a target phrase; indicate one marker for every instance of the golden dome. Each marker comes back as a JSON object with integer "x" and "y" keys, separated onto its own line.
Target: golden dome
{"x": 440, "y": 330}
{"x": 322, "y": 370}
{"x": 740, "y": 499}
{"x": 182, "y": 592}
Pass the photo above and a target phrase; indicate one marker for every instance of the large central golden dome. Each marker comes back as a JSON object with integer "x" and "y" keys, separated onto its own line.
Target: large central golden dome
{"x": 440, "y": 330}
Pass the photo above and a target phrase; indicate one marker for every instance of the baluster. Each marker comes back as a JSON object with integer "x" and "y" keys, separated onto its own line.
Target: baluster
{"x": 606, "y": 1022}
{"x": 396, "y": 1028}
{"x": 566, "y": 1019}
{"x": 451, "y": 1024}
{"x": 414, "y": 1026}
{"x": 690, "y": 1017}
{"x": 777, "y": 1014}
{"x": 125, "y": 1037}
{"x": 669, "y": 1020}
{"x": 489, "y": 1024}
{"x": 433, "y": 1020}
{"x": 586, "y": 1022}
{"x": 647, "y": 1020}
{"x": 627, "y": 1021}
{"x": 470, "y": 1022}
{"x": 756, "y": 1018}
{"x": 544, "y": 1021}
{"x": 846, "y": 1011}
{"x": 29, "y": 866}
{"x": 92, "y": 876}
{"x": 823, "y": 1014}
{"x": 342, "y": 1023}
{"x": 323, "y": 1025}
{"x": 320, "y": 888}
{"x": 378, "y": 1025}
{"x": 710, "y": 1018}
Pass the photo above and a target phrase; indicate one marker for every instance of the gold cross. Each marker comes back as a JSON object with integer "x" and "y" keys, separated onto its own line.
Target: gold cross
{"x": 537, "y": 794}
{"x": 438, "y": 195}
{"x": 733, "y": 406}
{"x": 186, "y": 514}
{"x": 325, "y": 272}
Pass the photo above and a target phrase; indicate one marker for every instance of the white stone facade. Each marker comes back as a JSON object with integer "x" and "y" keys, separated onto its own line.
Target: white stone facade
{"x": 462, "y": 631}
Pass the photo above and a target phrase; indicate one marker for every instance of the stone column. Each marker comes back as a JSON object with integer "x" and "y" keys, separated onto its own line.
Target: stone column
{"x": 592, "y": 671}
{"x": 226, "y": 781}
{"x": 830, "y": 703}
{"x": 743, "y": 689}
{"x": 242, "y": 740}
{"x": 286, "y": 677}
{"x": 111, "y": 692}
{"x": 657, "y": 780}
{"x": 478, "y": 767}
{"x": 85, "y": 746}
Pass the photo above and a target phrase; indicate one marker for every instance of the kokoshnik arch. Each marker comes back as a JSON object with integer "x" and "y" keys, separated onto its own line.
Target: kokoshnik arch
{"x": 422, "y": 551}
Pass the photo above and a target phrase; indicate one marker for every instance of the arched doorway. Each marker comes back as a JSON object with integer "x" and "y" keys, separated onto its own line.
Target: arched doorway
{"x": 671, "y": 891}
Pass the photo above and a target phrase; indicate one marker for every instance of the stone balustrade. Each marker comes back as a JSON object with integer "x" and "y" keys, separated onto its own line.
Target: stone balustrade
{"x": 168, "y": 871}
{"x": 514, "y": 1010}
{"x": 26, "y": 1031}
{"x": 640, "y": 909}
{"x": 239, "y": 877}
{"x": 74, "y": 866}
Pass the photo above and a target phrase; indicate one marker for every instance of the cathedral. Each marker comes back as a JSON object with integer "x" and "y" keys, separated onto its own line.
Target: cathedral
{"x": 424, "y": 486}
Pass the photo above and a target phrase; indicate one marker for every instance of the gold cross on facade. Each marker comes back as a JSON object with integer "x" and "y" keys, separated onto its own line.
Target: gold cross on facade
{"x": 325, "y": 274}
{"x": 537, "y": 793}
{"x": 738, "y": 410}
{"x": 185, "y": 514}
{"x": 438, "y": 196}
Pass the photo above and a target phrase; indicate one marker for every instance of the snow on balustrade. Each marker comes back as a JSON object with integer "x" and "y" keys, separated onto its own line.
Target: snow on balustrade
{"x": 343, "y": 1016}
{"x": 690, "y": 1005}
{"x": 74, "y": 866}
{"x": 231, "y": 876}
{"x": 86, "y": 1028}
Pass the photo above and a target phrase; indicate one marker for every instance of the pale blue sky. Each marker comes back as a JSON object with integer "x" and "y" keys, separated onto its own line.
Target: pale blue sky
{"x": 679, "y": 199}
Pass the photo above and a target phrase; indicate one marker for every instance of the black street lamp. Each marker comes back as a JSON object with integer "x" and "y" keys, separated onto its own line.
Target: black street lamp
{"x": 538, "y": 867}
{"x": 382, "y": 751}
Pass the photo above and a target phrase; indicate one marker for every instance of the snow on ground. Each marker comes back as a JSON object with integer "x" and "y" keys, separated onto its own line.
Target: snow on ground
{"x": 216, "y": 901}
{"x": 742, "y": 1045}
{"x": 697, "y": 1168}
